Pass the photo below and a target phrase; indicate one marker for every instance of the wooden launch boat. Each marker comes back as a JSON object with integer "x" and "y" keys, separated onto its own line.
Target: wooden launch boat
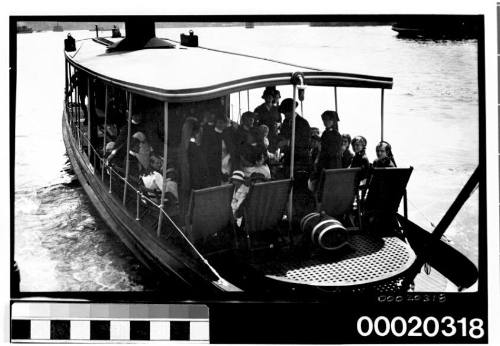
{"x": 373, "y": 248}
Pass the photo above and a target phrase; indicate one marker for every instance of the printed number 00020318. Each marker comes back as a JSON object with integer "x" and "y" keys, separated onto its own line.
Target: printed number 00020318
{"x": 416, "y": 327}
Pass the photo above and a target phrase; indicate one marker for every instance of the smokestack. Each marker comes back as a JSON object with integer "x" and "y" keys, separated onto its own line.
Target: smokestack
{"x": 139, "y": 34}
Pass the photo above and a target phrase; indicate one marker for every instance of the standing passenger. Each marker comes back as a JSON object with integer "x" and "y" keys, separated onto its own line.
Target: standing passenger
{"x": 188, "y": 154}
{"x": 267, "y": 114}
{"x": 198, "y": 169}
{"x": 302, "y": 136}
{"x": 215, "y": 150}
{"x": 241, "y": 136}
{"x": 277, "y": 97}
{"x": 330, "y": 154}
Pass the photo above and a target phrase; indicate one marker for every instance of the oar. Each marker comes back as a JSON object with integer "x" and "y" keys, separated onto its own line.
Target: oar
{"x": 431, "y": 249}
{"x": 441, "y": 256}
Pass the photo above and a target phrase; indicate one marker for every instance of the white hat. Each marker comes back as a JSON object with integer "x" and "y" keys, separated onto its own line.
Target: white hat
{"x": 238, "y": 176}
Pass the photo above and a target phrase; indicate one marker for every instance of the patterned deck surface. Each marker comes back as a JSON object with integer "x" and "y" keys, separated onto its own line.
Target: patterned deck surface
{"x": 369, "y": 260}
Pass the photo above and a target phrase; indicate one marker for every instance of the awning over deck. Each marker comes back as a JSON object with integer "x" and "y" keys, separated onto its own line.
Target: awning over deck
{"x": 186, "y": 74}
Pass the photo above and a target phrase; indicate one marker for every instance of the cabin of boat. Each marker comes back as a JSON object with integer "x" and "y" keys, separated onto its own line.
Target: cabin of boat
{"x": 345, "y": 239}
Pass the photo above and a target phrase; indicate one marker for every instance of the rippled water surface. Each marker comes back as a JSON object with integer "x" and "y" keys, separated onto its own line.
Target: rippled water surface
{"x": 431, "y": 120}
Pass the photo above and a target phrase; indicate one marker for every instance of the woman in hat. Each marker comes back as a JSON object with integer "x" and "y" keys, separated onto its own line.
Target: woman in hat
{"x": 267, "y": 113}
{"x": 330, "y": 155}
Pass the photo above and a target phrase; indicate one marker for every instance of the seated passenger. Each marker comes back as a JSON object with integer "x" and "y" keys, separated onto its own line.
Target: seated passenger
{"x": 360, "y": 159}
{"x": 257, "y": 163}
{"x": 118, "y": 154}
{"x": 315, "y": 144}
{"x": 262, "y": 133}
{"x": 384, "y": 155}
{"x": 142, "y": 150}
{"x": 109, "y": 148}
{"x": 153, "y": 180}
{"x": 347, "y": 155}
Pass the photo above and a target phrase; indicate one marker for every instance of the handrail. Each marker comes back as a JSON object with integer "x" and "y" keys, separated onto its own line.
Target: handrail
{"x": 221, "y": 280}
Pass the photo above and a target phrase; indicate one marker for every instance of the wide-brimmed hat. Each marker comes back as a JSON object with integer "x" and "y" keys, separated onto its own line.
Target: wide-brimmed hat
{"x": 287, "y": 105}
{"x": 237, "y": 176}
{"x": 269, "y": 91}
{"x": 248, "y": 115}
{"x": 141, "y": 137}
{"x": 331, "y": 115}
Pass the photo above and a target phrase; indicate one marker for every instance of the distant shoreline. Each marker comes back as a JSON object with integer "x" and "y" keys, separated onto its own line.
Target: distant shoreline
{"x": 48, "y": 26}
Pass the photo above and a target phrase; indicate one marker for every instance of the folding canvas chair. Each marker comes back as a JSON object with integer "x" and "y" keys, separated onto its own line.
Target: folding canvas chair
{"x": 386, "y": 188}
{"x": 338, "y": 189}
{"x": 209, "y": 212}
{"x": 265, "y": 206}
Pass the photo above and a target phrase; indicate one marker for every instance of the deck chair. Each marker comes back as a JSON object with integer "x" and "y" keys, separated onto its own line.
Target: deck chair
{"x": 209, "y": 212}
{"x": 386, "y": 188}
{"x": 337, "y": 190}
{"x": 265, "y": 206}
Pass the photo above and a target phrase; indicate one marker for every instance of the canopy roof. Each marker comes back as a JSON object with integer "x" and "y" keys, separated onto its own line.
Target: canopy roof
{"x": 183, "y": 74}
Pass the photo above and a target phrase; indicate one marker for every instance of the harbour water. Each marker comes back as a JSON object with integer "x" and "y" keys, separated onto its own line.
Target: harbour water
{"x": 431, "y": 121}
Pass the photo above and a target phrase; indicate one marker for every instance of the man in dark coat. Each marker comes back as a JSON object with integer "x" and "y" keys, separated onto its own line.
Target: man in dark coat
{"x": 240, "y": 138}
{"x": 302, "y": 136}
{"x": 212, "y": 145}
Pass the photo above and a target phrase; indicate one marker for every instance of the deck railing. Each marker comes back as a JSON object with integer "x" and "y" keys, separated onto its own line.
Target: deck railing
{"x": 113, "y": 173}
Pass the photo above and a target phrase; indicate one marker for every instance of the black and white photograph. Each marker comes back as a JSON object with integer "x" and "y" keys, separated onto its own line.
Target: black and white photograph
{"x": 299, "y": 159}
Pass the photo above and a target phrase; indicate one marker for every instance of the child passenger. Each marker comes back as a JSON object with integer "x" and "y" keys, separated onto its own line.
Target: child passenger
{"x": 153, "y": 181}
{"x": 360, "y": 159}
{"x": 347, "y": 155}
{"x": 241, "y": 188}
{"x": 384, "y": 155}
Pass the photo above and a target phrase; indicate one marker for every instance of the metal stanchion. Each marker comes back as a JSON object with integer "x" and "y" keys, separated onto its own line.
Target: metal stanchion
{"x": 137, "y": 218}
{"x": 110, "y": 178}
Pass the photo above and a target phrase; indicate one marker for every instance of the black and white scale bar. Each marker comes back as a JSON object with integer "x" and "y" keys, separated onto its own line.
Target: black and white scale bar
{"x": 106, "y": 330}
{"x": 30, "y": 326}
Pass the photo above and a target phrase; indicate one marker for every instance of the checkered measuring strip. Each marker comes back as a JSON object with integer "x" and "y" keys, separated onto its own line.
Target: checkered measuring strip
{"x": 67, "y": 322}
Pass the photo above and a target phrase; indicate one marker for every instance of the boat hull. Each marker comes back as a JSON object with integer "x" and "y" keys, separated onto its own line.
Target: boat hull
{"x": 163, "y": 263}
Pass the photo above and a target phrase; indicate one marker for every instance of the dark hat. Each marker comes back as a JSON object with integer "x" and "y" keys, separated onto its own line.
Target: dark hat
{"x": 287, "y": 105}
{"x": 257, "y": 177}
{"x": 331, "y": 115}
{"x": 269, "y": 91}
{"x": 248, "y": 115}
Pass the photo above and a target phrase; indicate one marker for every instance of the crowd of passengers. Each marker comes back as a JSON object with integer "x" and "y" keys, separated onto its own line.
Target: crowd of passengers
{"x": 215, "y": 150}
